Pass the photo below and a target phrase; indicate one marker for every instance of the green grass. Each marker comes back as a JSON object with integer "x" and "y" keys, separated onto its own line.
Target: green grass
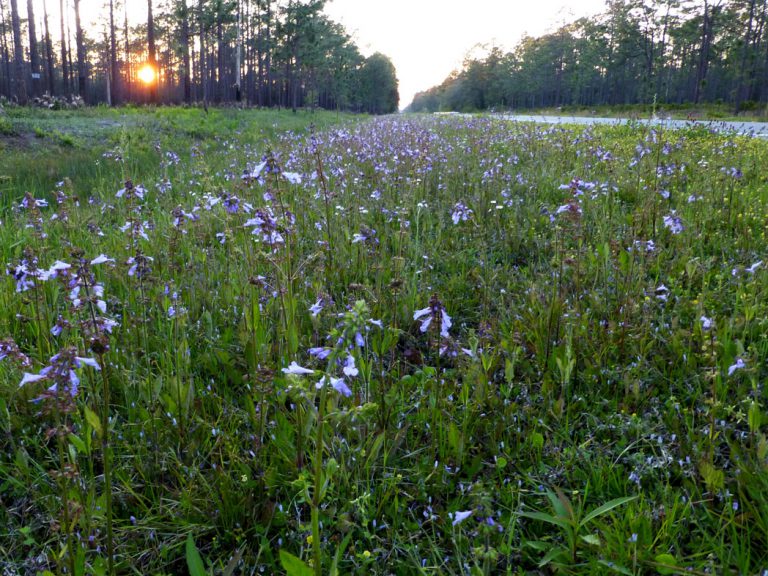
{"x": 595, "y": 406}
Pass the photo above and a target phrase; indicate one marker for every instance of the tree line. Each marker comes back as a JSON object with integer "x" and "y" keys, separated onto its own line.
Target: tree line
{"x": 272, "y": 53}
{"x": 635, "y": 51}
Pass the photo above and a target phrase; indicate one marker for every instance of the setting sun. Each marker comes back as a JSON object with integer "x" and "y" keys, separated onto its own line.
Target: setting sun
{"x": 147, "y": 74}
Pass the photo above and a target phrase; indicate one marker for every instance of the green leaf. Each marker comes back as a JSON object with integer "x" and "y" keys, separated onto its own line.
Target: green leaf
{"x": 546, "y": 518}
{"x": 539, "y": 545}
{"x": 331, "y": 466}
{"x": 713, "y": 478}
{"x": 334, "y": 571}
{"x": 591, "y": 539}
{"x": 668, "y": 564}
{"x": 762, "y": 447}
{"x": 373, "y": 453}
{"x": 755, "y": 417}
{"x": 607, "y": 507}
{"x": 553, "y": 554}
{"x": 294, "y": 566}
{"x": 194, "y": 561}
{"x": 537, "y": 440}
{"x": 616, "y": 568}
{"x": 78, "y": 443}
{"x": 561, "y": 504}
{"x": 93, "y": 420}
{"x": 5, "y": 413}
{"x": 509, "y": 371}
{"x": 453, "y": 436}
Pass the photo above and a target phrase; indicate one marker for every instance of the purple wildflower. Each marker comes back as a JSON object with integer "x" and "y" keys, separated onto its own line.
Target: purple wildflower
{"x": 460, "y": 213}
{"x": 337, "y": 384}
{"x": 435, "y": 311}
{"x": 317, "y": 307}
{"x": 673, "y": 223}
{"x": 320, "y": 352}
{"x": 738, "y": 365}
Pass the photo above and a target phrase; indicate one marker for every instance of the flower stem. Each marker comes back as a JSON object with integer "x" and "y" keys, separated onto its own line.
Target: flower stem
{"x": 316, "y": 493}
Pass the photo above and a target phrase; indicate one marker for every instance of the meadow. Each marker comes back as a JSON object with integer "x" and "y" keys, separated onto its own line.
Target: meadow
{"x": 257, "y": 343}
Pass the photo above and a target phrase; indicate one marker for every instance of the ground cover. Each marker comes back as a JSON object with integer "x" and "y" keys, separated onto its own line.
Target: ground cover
{"x": 405, "y": 345}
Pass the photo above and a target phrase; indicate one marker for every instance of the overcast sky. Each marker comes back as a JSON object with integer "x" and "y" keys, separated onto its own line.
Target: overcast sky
{"x": 426, "y": 39}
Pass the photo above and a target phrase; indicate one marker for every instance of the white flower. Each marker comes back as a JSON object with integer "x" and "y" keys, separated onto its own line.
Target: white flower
{"x": 31, "y": 378}
{"x": 349, "y": 366}
{"x": 257, "y": 170}
{"x": 59, "y": 265}
{"x": 292, "y": 177}
{"x": 317, "y": 307}
{"x": 88, "y": 362}
{"x": 459, "y": 516}
{"x": 101, "y": 259}
{"x": 294, "y": 368}
{"x": 419, "y": 313}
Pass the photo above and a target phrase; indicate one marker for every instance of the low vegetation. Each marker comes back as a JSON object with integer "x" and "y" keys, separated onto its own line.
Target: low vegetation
{"x": 263, "y": 342}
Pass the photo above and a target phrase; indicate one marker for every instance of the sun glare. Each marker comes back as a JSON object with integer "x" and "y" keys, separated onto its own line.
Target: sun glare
{"x": 147, "y": 74}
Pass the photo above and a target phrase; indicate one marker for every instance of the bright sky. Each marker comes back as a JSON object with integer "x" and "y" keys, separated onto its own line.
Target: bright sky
{"x": 427, "y": 39}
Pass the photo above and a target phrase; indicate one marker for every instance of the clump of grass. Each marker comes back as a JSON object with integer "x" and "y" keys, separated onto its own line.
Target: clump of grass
{"x": 6, "y": 126}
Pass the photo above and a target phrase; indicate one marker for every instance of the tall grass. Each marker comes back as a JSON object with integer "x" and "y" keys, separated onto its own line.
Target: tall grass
{"x": 408, "y": 345}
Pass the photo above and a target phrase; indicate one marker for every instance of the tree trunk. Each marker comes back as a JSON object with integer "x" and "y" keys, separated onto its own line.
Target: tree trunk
{"x": 64, "y": 62}
{"x": 662, "y": 54}
{"x": 706, "y": 40}
{"x": 34, "y": 57}
{"x": 185, "y": 52}
{"x": 127, "y": 55}
{"x": 114, "y": 89}
{"x": 203, "y": 86}
{"x": 743, "y": 88}
{"x": 220, "y": 73}
{"x": 268, "y": 56}
{"x": 81, "y": 72}
{"x": 259, "y": 57}
{"x": 238, "y": 50}
{"x": 6, "y": 56}
{"x": 250, "y": 55}
{"x": 48, "y": 50}
{"x": 152, "y": 52}
{"x": 18, "y": 55}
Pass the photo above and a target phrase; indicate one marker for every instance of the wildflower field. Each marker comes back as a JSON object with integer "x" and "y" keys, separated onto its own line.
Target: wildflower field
{"x": 264, "y": 343}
